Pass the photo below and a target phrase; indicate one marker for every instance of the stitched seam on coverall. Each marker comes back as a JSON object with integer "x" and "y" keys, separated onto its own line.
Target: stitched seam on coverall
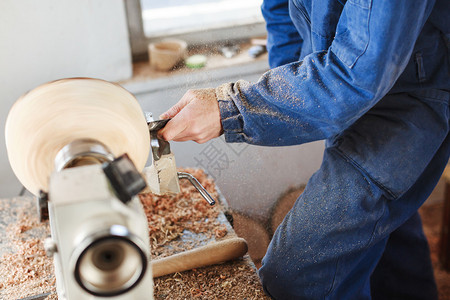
{"x": 368, "y": 31}
{"x": 362, "y": 170}
{"x": 358, "y": 168}
{"x": 334, "y": 278}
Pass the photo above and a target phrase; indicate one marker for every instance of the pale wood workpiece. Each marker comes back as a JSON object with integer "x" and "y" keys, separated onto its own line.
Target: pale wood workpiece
{"x": 55, "y": 114}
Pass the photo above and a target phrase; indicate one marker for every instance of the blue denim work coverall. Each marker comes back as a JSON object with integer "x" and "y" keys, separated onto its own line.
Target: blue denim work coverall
{"x": 371, "y": 77}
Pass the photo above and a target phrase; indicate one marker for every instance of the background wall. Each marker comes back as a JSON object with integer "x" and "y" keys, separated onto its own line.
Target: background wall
{"x": 46, "y": 40}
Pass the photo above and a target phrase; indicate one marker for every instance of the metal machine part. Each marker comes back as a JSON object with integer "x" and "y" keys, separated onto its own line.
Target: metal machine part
{"x": 159, "y": 146}
{"x": 110, "y": 262}
{"x": 99, "y": 231}
{"x": 121, "y": 172}
{"x": 156, "y": 125}
{"x": 99, "y": 242}
{"x": 161, "y": 151}
{"x": 198, "y": 186}
{"x": 82, "y": 152}
{"x": 124, "y": 178}
{"x": 37, "y": 297}
{"x": 42, "y": 206}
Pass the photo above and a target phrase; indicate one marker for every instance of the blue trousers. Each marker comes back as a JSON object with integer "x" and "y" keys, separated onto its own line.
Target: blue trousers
{"x": 355, "y": 232}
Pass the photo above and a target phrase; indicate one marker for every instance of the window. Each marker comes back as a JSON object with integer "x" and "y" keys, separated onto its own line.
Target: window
{"x": 163, "y": 18}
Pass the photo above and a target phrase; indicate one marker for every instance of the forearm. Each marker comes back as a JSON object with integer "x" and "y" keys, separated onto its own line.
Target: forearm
{"x": 292, "y": 104}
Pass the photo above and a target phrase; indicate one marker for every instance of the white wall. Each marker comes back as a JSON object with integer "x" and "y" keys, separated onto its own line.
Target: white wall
{"x": 44, "y": 40}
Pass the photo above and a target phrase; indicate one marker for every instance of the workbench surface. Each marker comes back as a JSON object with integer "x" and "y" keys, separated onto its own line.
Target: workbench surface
{"x": 26, "y": 271}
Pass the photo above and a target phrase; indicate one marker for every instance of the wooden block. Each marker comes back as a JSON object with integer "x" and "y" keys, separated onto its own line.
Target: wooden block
{"x": 283, "y": 206}
{"x": 253, "y": 232}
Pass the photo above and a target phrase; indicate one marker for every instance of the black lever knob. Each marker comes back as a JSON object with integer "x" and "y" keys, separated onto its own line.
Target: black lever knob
{"x": 124, "y": 178}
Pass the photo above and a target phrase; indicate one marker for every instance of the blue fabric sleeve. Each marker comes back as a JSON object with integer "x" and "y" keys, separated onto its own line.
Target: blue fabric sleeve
{"x": 325, "y": 93}
{"x": 283, "y": 40}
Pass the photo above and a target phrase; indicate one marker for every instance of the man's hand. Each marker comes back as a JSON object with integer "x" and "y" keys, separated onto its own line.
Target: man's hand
{"x": 195, "y": 117}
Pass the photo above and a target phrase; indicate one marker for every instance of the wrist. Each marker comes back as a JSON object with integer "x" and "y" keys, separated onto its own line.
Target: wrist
{"x": 230, "y": 116}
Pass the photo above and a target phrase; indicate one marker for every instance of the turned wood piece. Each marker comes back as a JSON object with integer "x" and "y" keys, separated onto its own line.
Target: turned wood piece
{"x": 55, "y": 114}
{"x": 211, "y": 254}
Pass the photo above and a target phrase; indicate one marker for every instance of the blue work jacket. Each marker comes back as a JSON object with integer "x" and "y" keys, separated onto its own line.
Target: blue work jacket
{"x": 333, "y": 60}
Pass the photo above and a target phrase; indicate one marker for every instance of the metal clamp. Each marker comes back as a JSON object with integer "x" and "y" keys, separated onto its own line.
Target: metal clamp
{"x": 198, "y": 186}
{"x": 82, "y": 152}
{"x": 159, "y": 146}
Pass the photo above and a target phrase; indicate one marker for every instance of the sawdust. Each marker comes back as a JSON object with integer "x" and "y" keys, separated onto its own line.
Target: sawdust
{"x": 232, "y": 280}
{"x": 172, "y": 221}
{"x": 27, "y": 271}
{"x": 176, "y": 223}
{"x": 170, "y": 216}
{"x": 142, "y": 70}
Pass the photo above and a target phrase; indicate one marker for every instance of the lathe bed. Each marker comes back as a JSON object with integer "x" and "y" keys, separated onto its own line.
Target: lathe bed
{"x": 176, "y": 224}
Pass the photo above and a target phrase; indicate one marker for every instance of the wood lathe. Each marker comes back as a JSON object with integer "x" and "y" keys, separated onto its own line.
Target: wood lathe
{"x": 80, "y": 145}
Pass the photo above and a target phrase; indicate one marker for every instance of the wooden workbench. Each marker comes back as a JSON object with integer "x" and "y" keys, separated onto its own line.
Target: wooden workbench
{"x": 26, "y": 271}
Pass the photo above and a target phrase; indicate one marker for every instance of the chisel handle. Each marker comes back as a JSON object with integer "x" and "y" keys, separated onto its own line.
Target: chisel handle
{"x": 211, "y": 254}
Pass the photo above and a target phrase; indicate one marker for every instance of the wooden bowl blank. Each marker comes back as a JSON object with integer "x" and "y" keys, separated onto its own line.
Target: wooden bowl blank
{"x": 52, "y": 115}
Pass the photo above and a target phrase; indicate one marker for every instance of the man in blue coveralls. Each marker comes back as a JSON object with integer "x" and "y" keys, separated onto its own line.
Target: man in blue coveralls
{"x": 372, "y": 78}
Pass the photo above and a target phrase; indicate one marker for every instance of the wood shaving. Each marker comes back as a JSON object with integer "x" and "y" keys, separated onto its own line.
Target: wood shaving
{"x": 27, "y": 270}
{"x": 171, "y": 216}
